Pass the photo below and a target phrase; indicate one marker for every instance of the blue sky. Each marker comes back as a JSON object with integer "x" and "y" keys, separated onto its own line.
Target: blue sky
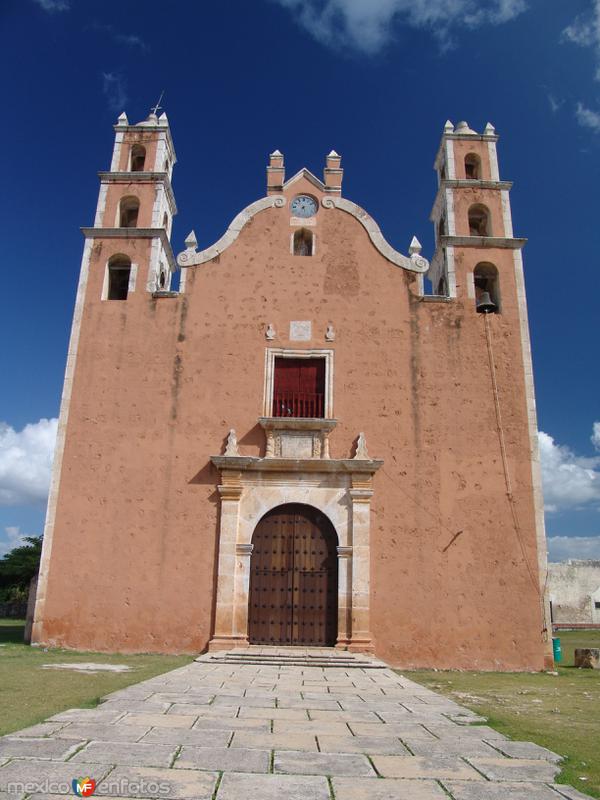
{"x": 374, "y": 79}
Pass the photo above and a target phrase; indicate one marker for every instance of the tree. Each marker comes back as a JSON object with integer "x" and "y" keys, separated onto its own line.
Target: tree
{"x": 18, "y": 567}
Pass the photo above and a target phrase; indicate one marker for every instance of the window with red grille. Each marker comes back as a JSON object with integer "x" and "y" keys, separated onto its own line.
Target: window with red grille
{"x": 299, "y": 387}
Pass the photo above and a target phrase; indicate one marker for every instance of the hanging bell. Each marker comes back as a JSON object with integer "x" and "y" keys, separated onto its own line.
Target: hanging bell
{"x": 485, "y": 304}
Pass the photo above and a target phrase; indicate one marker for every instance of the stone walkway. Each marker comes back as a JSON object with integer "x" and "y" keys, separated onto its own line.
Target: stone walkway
{"x": 216, "y": 730}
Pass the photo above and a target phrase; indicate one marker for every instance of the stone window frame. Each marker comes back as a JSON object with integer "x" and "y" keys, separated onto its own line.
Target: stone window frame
{"x": 271, "y": 353}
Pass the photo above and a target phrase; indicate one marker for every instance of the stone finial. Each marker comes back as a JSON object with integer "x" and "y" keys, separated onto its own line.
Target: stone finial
{"x": 191, "y": 243}
{"x": 333, "y": 173}
{"x": 122, "y": 120}
{"x": 275, "y": 172}
{"x": 270, "y": 333}
{"x": 329, "y": 334}
{"x": 415, "y": 246}
{"x": 361, "y": 449}
{"x": 163, "y": 119}
{"x": 463, "y": 127}
{"x": 449, "y": 127}
{"x": 489, "y": 130}
{"x": 231, "y": 446}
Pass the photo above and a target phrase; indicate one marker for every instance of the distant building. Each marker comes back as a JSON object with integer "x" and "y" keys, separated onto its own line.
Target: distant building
{"x": 381, "y": 490}
{"x": 574, "y": 592}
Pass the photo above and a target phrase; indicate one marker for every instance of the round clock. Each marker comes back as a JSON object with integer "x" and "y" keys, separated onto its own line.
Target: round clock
{"x": 303, "y": 206}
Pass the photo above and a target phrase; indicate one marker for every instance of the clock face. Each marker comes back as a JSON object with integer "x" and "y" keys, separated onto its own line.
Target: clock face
{"x": 303, "y": 206}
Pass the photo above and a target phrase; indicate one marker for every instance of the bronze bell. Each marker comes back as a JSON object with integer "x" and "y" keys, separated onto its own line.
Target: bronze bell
{"x": 485, "y": 304}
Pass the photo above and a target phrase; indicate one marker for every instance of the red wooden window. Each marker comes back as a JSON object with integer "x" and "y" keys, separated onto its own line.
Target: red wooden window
{"x": 299, "y": 387}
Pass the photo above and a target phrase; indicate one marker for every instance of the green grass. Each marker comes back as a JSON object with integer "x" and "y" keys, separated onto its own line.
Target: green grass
{"x": 30, "y": 694}
{"x": 560, "y": 712}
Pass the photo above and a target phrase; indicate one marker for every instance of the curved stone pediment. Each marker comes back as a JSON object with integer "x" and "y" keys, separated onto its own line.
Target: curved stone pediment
{"x": 191, "y": 257}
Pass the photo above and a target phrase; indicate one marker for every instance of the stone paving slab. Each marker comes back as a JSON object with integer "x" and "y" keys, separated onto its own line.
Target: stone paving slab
{"x": 151, "y": 783}
{"x": 134, "y": 755}
{"x": 467, "y": 790}
{"x": 273, "y": 787}
{"x": 293, "y": 761}
{"x": 103, "y": 733}
{"x": 434, "y": 768}
{"x": 515, "y": 769}
{"x": 274, "y": 741}
{"x": 159, "y": 720}
{"x": 526, "y": 750}
{"x": 178, "y": 736}
{"x": 569, "y": 792}
{"x": 391, "y": 789}
{"x": 224, "y": 759}
{"x": 43, "y": 729}
{"x": 458, "y": 747}
{"x": 51, "y": 777}
{"x": 231, "y": 731}
{"x": 235, "y": 724}
{"x": 370, "y": 745}
{"x": 56, "y": 749}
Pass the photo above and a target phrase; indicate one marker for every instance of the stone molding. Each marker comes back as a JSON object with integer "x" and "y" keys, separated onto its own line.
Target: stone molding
{"x": 500, "y": 242}
{"x": 416, "y": 262}
{"x": 191, "y": 258}
{"x": 344, "y": 551}
{"x": 135, "y": 233}
{"x": 314, "y": 465}
{"x": 142, "y": 177}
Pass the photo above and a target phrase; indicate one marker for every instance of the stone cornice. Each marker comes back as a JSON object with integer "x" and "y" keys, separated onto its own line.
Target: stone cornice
{"x": 296, "y": 424}
{"x": 499, "y": 242}
{"x": 252, "y": 464}
{"x": 142, "y": 177}
{"x": 499, "y": 186}
{"x": 416, "y": 262}
{"x": 135, "y": 233}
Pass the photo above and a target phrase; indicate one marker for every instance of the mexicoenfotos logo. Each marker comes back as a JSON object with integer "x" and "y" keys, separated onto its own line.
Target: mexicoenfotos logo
{"x": 83, "y": 787}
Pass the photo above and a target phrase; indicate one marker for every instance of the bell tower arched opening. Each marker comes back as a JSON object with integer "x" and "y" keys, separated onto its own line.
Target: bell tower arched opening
{"x": 294, "y": 578}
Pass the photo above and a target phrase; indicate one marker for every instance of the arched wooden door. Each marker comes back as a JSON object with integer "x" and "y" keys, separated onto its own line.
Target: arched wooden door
{"x": 293, "y": 578}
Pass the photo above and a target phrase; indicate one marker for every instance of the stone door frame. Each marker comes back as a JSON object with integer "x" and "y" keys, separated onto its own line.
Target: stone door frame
{"x": 341, "y": 489}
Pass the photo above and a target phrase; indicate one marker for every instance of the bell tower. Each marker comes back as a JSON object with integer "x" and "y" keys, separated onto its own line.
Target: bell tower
{"x": 478, "y": 265}
{"x": 136, "y": 205}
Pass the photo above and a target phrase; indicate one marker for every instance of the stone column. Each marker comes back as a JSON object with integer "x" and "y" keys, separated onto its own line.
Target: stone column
{"x": 243, "y": 554}
{"x": 344, "y": 597}
{"x": 361, "y": 493}
{"x": 225, "y": 635}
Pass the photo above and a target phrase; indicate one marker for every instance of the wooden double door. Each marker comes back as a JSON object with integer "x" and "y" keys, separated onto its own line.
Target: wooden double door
{"x": 293, "y": 578}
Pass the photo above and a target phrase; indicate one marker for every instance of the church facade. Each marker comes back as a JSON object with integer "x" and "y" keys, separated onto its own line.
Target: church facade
{"x": 299, "y": 446}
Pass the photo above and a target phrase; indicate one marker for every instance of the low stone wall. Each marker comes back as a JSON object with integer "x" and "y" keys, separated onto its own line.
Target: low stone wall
{"x": 574, "y": 591}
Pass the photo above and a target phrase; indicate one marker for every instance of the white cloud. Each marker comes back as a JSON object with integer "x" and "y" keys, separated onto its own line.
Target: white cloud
{"x": 570, "y": 481}
{"x": 596, "y": 435}
{"x": 366, "y": 25}
{"x": 587, "y": 118}
{"x": 51, "y": 6}
{"x": 114, "y": 90}
{"x": 12, "y": 538}
{"x": 560, "y": 548}
{"x": 26, "y": 461}
{"x": 584, "y": 31}
{"x": 131, "y": 40}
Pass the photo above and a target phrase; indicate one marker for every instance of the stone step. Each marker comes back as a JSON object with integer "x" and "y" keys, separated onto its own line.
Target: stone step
{"x": 286, "y": 659}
